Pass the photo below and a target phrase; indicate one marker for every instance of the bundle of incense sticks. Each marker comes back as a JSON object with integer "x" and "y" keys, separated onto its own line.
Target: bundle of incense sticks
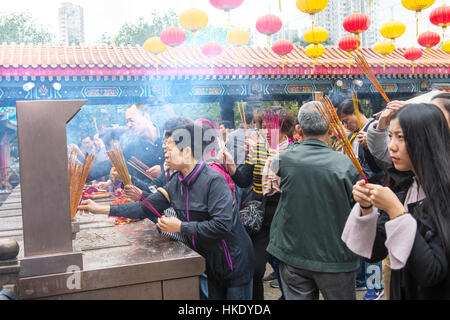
{"x": 273, "y": 129}
{"x": 118, "y": 162}
{"x": 356, "y": 107}
{"x": 144, "y": 201}
{"x": 364, "y": 66}
{"x": 77, "y": 179}
{"x": 221, "y": 144}
{"x": 241, "y": 109}
{"x": 328, "y": 112}
{"x": 140, "y": 166}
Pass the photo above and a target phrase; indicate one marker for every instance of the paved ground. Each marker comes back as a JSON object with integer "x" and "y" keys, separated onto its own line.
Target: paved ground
{"x": 275, "y": 293}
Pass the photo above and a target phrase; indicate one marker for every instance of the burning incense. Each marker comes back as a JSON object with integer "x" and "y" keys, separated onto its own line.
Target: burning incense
{"x": 273, "y": 129}
{"x": 140, "y": 166}
{"x": 144, "y": 201}
{"x": 356, "y": 107}
{"x": 77, "y": 179}
{"x": 118, "y": 162}
{"x": 328, "y": 112}
{"x": 241, "y": 109}
{"x": 364, "y": 66}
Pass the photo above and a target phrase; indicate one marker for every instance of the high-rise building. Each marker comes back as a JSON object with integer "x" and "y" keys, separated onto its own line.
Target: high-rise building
{"x": 71, "y": 23}
{"x": 333, "y": 17}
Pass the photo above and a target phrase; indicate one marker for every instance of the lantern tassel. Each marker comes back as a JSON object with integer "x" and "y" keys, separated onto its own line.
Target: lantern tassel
{"x": 282, "y": 62}
{"x": 228, "y": 20}
{"x": 417, "y": 24}
{"x": 413, "y": 67}
{"x": 384, "y": 64}
{"x": 279, "y": 4}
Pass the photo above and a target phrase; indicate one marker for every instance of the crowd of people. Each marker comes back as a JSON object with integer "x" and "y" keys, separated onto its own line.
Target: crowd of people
{"x": 285, "y": 193}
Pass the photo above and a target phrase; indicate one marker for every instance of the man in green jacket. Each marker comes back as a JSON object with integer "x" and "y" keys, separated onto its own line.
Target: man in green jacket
{"x": 316, "y": 184}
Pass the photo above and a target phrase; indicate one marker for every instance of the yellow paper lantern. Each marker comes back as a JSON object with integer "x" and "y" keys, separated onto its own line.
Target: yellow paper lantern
{"x": 316, "y": 35}
{"x": 393, "y": 29}
{"x": 417, "y": 6}
{"x": 312, "y": 7}
{"x": 238, "y": 37}
{"x": 315, "y": 51}
{"x": 193, "y": 19}
{"x": 446, "y": 46}
{"x": 384, "y": 47}
{"x": 156, "y": 46}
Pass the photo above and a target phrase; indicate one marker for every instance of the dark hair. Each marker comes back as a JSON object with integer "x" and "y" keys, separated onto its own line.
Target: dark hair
{"x": 187, "y": 134}
{"x": 427, "y": 139}
{"x": 173, "y": 123}
{"x": 226, "y": 124}
{"x": 249, "y": 116}
{"x": 286, "y": 117}
{"x": 445, "y": 98}
{"x": 142, "y": 107}
{"x": 346, "y": 107}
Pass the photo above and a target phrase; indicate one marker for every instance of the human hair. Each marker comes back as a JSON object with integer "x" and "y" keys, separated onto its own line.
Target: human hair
{"x": 258, "y": 117}
{"x": 226, "y": 124}
{"x": 311, "y": 121}
{"x": 444, "y": 98}
{"x": 286, "y": 119}
{"x": 141, "y": 107}
{"x": 427, "y": 139}
{"x": 186, "y": 134}
{"x": 249, "y": 116}
{"x": 346, "y": 107}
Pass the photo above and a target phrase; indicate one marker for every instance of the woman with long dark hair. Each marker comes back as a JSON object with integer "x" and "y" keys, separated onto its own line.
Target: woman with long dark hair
{"x": 410, "y": 222}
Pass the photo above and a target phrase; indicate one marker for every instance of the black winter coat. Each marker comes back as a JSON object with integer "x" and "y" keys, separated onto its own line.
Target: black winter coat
{"x": 425, "y": 275}
{"x": 205, "y": 205}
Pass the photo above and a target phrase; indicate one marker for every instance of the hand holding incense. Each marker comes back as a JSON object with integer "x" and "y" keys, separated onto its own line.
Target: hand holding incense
{"x": 118, "y": 162}
{"x": 137, "y": 194}
{"x": 77, "y": 179}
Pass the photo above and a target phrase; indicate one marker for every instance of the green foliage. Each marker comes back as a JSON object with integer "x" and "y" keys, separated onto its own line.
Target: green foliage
{"x": 22, "y": 27}
{"x": 210, "y": 33}
{"x": 136, "y": 33}
{"x": 198, "y": 110}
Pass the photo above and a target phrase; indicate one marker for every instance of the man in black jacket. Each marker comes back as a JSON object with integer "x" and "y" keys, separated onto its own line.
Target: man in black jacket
{"x": 139, "y": 139}
{"x": 206, "y": 214}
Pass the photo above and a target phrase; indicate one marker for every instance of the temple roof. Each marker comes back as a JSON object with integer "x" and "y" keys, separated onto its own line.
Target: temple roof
{"x": 51, "y": 60}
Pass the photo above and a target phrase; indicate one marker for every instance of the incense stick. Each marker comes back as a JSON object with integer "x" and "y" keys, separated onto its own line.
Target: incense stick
{"x": 364, "y": 66}
{"x": 118, "y": 162}
{"x": 144, "y": 201}
{"x": 77, "y": 179}
{"x": 141, "y": 167}
{"x": 328, "y": 112}
{"x": 356, "y": 107}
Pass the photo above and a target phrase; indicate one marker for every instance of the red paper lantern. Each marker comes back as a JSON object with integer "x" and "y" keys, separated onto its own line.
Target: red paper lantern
{"x": 226, "y": 5}
{"x": 173, "y": 36}
{"x": 282, "y": 47}
{"x": 357, "y": 23}
{"x": 212, "y": 49}
{"x": 429, "y": 39}
{"x": 269, "y": 24}
{"x": 413, "y": 54}
{"x": 441, "y": 16}
{"x": 349, "y": 43}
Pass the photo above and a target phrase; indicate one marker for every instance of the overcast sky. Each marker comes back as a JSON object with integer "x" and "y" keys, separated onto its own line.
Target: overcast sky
{"x": 107, "y": 16}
